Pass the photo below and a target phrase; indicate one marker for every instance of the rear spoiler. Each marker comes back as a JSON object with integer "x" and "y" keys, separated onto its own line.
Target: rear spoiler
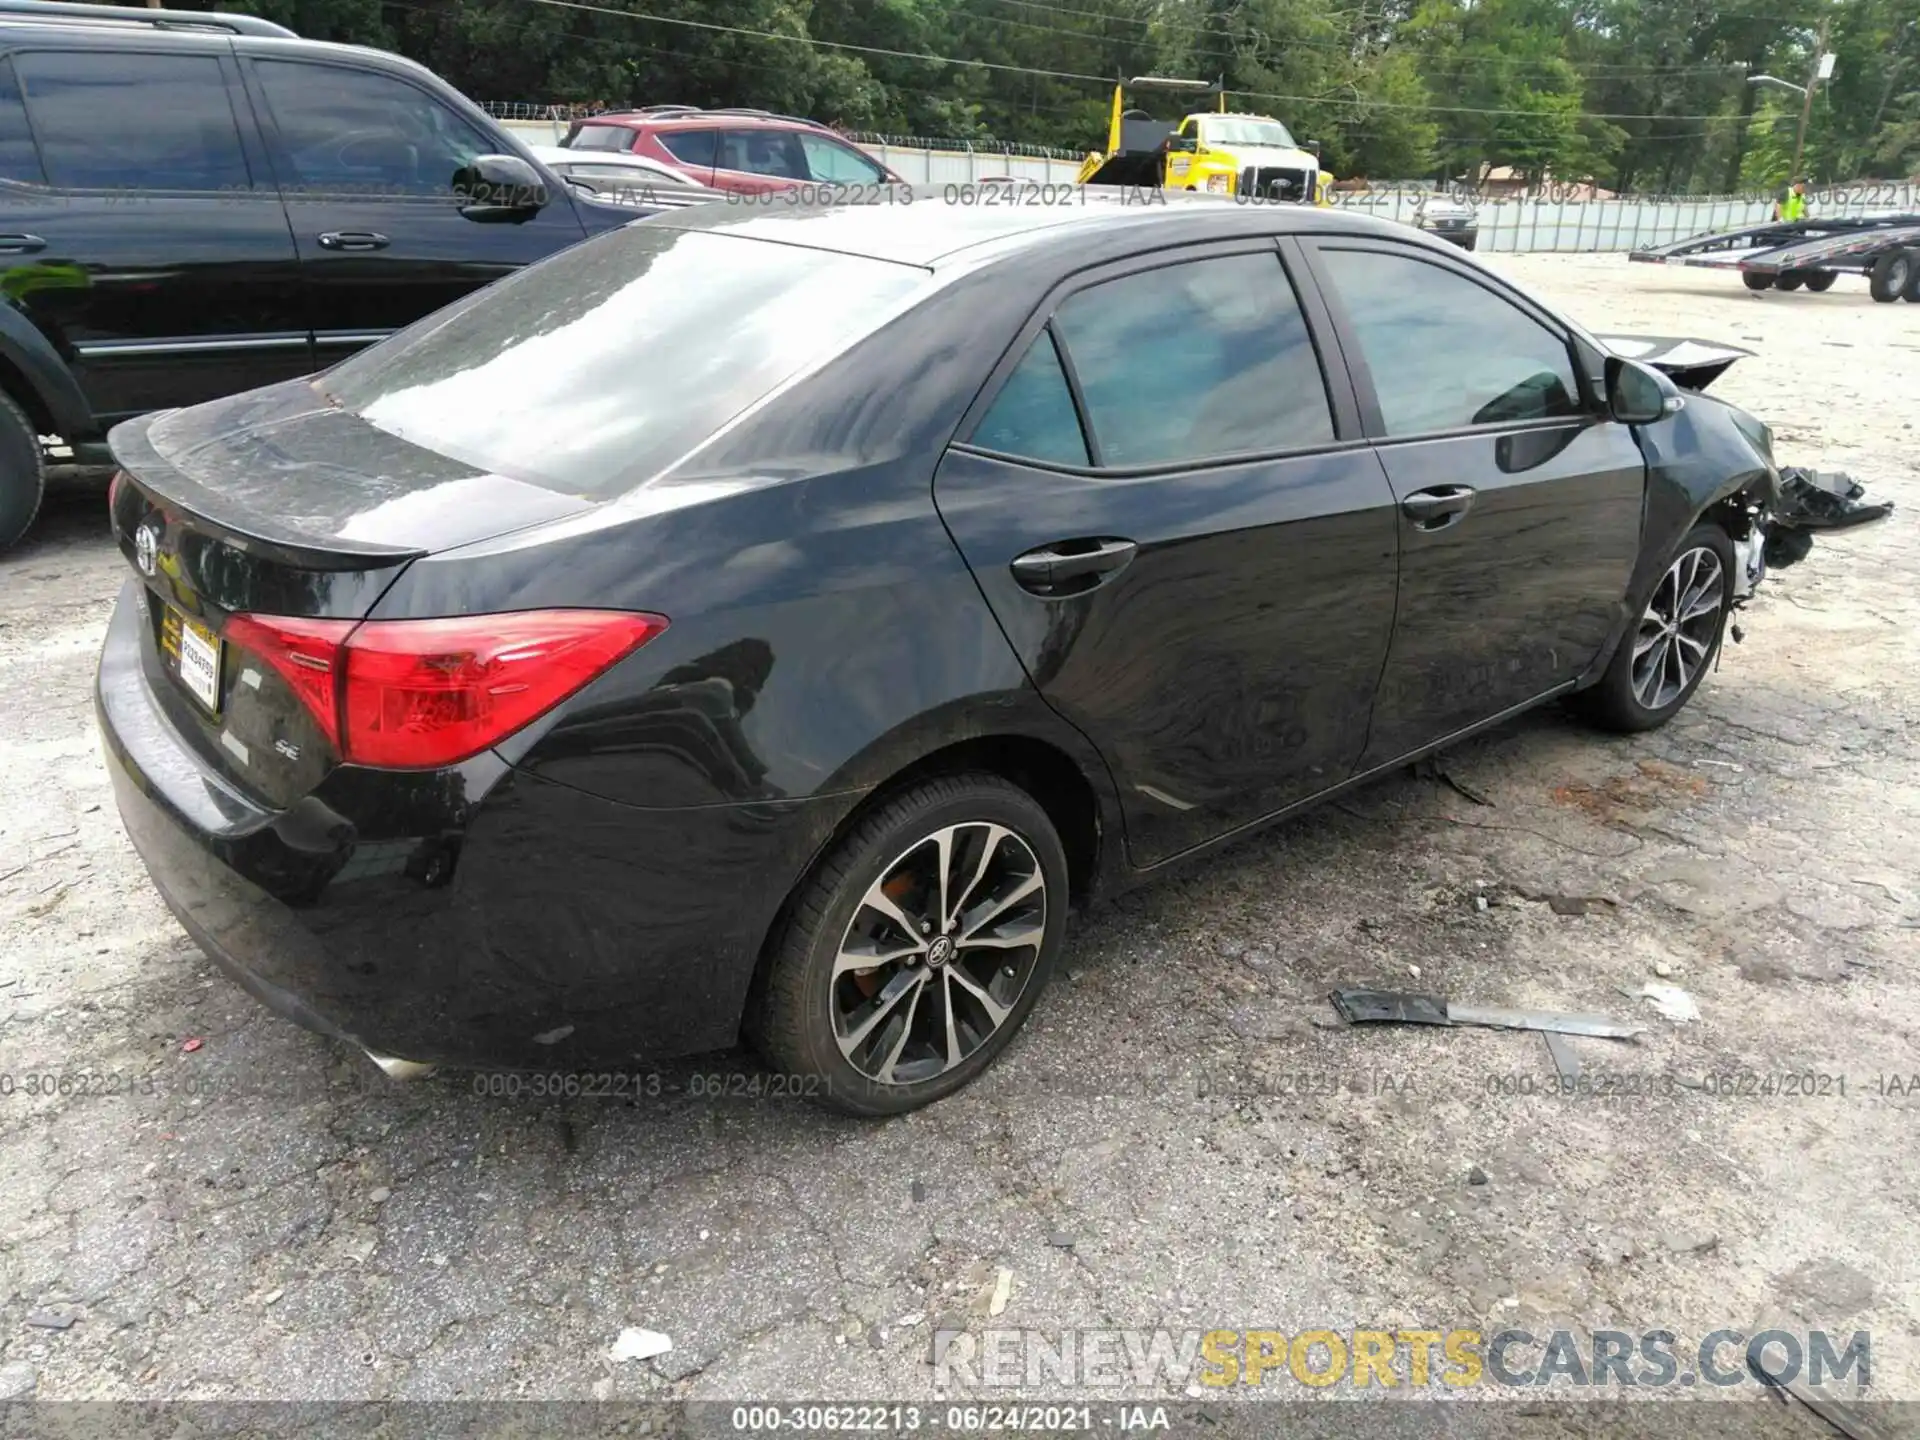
{"x": 262, "y": 534}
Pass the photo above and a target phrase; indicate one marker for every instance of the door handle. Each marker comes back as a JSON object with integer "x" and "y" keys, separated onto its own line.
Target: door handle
{"x": 1438, "y": 507}
{"x": 353, "y": 240}
{"x": 1066, "y": 566}
{"x": 21, "y": 244}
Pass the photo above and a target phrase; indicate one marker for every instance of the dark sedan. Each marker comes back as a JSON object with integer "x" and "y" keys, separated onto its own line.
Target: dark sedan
{"x": 776, "y": 619}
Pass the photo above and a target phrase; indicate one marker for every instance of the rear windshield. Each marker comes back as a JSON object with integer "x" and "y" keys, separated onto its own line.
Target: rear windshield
{"x": 602, "y": 366}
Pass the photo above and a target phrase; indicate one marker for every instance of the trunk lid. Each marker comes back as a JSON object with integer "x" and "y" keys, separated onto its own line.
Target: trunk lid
{"x": 278, "y": 503}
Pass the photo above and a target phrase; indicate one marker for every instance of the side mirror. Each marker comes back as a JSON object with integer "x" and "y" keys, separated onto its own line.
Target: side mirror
{"x": 1312, "y": 147}
{"x": 1638, "y": 394}
{"x": 497, "y": 188}
{"x": 1186, "y": 143}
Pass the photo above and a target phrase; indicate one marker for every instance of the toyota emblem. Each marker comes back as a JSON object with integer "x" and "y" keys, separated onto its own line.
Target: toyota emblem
{"x": 146, "y": 546}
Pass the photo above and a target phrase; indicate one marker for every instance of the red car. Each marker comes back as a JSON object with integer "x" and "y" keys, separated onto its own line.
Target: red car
{"x": 746, "y": 152}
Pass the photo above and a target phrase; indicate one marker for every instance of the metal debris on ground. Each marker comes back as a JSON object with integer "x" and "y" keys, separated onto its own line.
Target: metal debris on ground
{"x": 1361, "y": 1007}
{"x": 1671, "y": 1001}
{"x": 1564, "y": 1060}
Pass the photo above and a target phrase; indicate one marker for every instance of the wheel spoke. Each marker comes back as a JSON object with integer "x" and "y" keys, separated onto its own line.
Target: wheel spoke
{"x": 883, "y": 1005}
{"x": 853, "y": 958}
{"x": 906, "y": 1030}
{"x": 943, "y": 863}
{"x": 1697, "y": 649}
{"x": 1015, "y": 939}
{"x": 1704, "y": 601}
{"x": 996, "y": 1012}
{"x": 878, "y": 899}
{"x": 1001, "y": 905}
{"x": 1645, "y": 640}
{"x": 995, "y": 834}
{"x": 953, "y": 1033}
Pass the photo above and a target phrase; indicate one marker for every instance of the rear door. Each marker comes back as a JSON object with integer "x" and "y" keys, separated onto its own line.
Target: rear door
{"x": 1520, "y": 500}
{"x": 366, "y": 160}
{"x": 140, "y": 230}
{"x": 1175, "y": 518}
{"x": 758, "y": 161}
{"x": 833, "y": 162}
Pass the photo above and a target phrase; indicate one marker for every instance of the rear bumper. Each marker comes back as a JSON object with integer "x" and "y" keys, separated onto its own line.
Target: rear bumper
{"x": 472, "y": 917}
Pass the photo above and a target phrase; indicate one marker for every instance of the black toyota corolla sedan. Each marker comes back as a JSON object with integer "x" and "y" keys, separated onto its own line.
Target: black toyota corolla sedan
{"x": 774, "y": 621}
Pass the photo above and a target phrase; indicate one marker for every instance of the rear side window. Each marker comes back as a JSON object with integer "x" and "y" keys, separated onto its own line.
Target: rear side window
{"x": 18, "y": 159}
{"x": 121, "y": 121}
{"x": 1445, "y": 352}
{"x": 1195, "y": 361}
{"x": 776, "y": 153}
{"x": 347, "y": 130}
{"x": 596, "y": 369}
{"x": 1033, "y": 416}
{"x": 601, "y": 137}
{"x": 690, "y": 147}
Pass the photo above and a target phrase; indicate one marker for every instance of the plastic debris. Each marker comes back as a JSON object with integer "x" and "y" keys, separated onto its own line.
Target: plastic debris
{"x": 637, "y": 1344}
{"x": 1359, "y": 1007}
{"x": 1671, "y": 1001}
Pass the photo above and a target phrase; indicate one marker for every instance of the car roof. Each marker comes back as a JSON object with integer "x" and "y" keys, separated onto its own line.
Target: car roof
{"x": 938, "y": 225}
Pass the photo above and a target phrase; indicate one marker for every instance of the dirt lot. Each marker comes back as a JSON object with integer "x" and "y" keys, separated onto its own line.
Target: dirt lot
{"x": 1184, "y": 1138}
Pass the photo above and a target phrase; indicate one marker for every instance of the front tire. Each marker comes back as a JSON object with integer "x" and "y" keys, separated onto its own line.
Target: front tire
{"x": 1663, "y": 659}
{"x": 22, "y": 473}
{"x": 916, "y": 950}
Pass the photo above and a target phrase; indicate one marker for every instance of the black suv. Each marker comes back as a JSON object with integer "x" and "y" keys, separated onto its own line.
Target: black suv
{"x": 193, "y": 204}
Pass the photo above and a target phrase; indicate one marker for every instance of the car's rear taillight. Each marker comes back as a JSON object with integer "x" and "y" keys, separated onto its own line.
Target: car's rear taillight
{"x": 419, "y": 694}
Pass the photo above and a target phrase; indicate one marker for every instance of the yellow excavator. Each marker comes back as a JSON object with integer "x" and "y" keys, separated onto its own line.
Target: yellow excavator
{"x": 1251, "y": 156}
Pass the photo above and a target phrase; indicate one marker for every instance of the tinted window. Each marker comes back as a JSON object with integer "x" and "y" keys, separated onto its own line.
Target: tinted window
{"x": 120, "y": 121}
{"x": 633, "y": 176}
{"x": 1445, "y": 352}
{"x": 597, "y": 368}
{"x": 601, "y": 137}
{"x": 689, "y": 147}
{"x": 762, "y": 152}
{"x": 1207, "y": 358}
{"x": 829, "y": 160}
{"x": 18, "y": 159}
{"x": 1033, "y": 415}
{"x": 348, "y": 130}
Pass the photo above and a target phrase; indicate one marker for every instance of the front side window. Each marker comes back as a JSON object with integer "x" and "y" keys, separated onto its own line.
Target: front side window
{"x": 613, "y": 346}
{"x": 1445, "y": 352}
{"x": 1195, "y": 361}
{"x": 350, "y": 130}
{"x": 835, "y": 163}
{"x": 126, "y": 121}
{"x": 1033, "y": 415}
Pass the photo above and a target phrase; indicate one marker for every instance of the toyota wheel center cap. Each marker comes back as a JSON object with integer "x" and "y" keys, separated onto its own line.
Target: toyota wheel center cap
{"x": 940, "y": 951}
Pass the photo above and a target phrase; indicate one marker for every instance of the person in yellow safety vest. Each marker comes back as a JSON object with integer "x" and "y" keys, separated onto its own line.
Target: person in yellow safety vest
{"x": 1794, "y": 207}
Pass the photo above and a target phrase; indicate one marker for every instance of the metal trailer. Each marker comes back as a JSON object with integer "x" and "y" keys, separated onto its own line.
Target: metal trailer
{"x": 1786, "y": 255}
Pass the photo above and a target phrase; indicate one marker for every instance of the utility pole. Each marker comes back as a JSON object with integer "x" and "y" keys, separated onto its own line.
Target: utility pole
{"x": 1806, "y": 102}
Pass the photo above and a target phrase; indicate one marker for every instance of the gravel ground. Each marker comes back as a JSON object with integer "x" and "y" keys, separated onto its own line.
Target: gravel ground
{"x": 1183, "y": 1138}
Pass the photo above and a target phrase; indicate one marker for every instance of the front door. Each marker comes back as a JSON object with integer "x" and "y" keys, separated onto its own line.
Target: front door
{"x": 1193, "y": 557}
{"x": 143, "y": 235}
{"x": 367, "y": 162}
{"x": 1520, "y": 500}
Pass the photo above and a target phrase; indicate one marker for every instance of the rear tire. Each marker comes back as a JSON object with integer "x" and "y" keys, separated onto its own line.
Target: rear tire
{"x": 1788, "y": 280}
{"x": 1890, "y": 276}
{"x": 1912, "y": 288}
{"x": 954, "y": 1006}
{"x": 1821, "y": 281}
{"x": 23, "y": 477}
{"x": 1660, "y": 663}
{"x": 1472, "y": 242}
{"x": 1753, "y": 280}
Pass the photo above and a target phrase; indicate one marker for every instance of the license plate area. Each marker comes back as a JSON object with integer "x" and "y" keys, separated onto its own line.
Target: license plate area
{"x": 194, "y": 654}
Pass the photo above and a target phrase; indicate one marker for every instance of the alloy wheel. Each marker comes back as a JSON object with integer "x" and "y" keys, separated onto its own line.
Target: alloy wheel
{"x": 938, "y": 953}
{"x": 1676, "y": 634}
